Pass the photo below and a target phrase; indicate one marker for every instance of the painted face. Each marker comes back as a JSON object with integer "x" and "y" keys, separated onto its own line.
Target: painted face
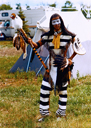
{"x": 56, "y": 21}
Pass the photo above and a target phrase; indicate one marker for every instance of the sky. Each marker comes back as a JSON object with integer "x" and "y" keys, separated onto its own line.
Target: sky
{"x": 37, "y": 3}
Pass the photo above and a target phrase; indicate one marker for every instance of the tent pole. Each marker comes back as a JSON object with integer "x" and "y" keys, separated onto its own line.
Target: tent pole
{"x": 42, "y": 65}
{"x": 30, "y": 53}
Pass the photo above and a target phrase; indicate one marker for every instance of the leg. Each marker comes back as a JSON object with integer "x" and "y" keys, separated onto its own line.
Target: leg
{"x": 62, "y": 100}
{"x": 44, "y": 97}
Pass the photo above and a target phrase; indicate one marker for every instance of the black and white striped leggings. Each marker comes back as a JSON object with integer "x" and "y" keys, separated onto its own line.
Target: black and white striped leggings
{"x": 45, "y": 96}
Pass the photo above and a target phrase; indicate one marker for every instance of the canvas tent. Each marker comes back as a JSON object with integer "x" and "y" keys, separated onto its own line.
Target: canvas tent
{"x": 26, "y": 65}
{"x": 75, "y": 22}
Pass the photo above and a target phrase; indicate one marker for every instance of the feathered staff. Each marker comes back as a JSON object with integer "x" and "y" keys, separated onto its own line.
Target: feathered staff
{"x": 18, "y": 41}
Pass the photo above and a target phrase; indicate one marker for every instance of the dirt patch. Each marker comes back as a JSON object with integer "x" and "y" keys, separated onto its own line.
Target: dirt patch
{"x": 12, "y": 82}
{"x": 10, "y": 51}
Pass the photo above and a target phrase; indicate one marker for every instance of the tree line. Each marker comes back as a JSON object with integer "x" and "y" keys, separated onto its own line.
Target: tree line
{"x": 68, "y": 6}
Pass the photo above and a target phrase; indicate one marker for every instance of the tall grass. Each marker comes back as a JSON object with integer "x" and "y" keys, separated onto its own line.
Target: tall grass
{"x": 20, "y": 94}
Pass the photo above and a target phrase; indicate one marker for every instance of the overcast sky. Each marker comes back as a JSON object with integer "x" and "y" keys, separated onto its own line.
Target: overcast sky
{"x": 36, "y": 3}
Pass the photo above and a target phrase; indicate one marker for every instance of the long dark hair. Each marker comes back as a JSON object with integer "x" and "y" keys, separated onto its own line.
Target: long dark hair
{"x": 64, "y": 29}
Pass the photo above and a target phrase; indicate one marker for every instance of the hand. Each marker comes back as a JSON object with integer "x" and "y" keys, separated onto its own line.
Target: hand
{"x": 70, "y": 62}
{"x": 32, "y": 44}
{"x": 30, "y": 41}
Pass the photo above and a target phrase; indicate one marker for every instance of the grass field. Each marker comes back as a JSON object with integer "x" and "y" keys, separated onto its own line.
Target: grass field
{"x": 20, "y": 92}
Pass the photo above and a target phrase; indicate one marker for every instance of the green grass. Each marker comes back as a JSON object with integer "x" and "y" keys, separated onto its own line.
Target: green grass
{"x": 6, "y": 44}
{"x": 19, "y": 100}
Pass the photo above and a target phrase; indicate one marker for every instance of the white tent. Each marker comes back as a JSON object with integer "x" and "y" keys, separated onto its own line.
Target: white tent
{"x": 77, "y": 23}
{"x": 82, "y": 27}
{"x": 82, "y": 63}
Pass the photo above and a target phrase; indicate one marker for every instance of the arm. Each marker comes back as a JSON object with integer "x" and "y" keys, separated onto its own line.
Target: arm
{"x": 77, "y": 48}
{"x": 73, "y": 55}
{"x": 36, "y": 45}
{"x": 70, "y": 59}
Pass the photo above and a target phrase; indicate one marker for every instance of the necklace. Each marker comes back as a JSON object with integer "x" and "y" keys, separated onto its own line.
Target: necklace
{"x": 56, "y": 33}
